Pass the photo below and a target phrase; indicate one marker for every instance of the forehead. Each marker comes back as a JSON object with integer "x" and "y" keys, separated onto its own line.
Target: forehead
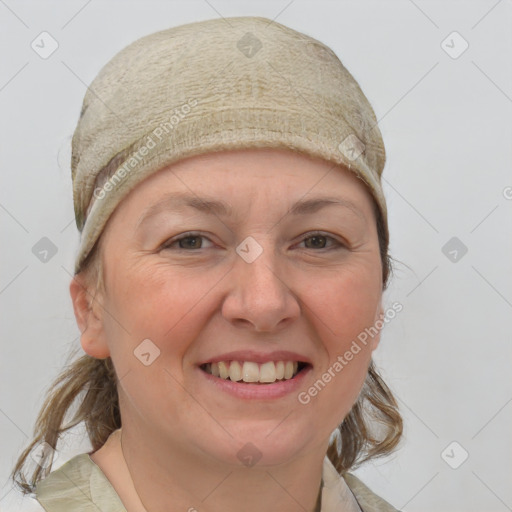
{"x": 233, "y": 183}
{"x": 280, "y": 172}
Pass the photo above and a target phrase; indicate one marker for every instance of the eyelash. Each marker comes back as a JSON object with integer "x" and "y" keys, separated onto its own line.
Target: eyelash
{"x": 170, "y": 243}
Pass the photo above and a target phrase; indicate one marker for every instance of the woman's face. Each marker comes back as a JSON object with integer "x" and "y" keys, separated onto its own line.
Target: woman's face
{"x": 279, "y": 273}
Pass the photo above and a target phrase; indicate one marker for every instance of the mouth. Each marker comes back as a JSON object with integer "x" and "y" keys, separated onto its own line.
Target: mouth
{"x": 251, "y": 372}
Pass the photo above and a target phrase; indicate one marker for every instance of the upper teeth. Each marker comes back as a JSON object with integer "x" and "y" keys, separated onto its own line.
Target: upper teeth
{"x": 249, "y": 371}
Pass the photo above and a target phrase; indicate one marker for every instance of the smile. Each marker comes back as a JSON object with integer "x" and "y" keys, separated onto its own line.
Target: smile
{"x": 252, "y": 372}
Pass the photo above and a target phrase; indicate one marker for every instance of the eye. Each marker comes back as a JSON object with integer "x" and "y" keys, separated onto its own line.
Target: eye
{"x": 194, "y": 241}
{"x": 185, "y": 242}
{"x": 319, "y": 241}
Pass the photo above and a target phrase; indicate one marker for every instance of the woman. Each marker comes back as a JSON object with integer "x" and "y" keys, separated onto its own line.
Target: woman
{"x": 228, "y": 285}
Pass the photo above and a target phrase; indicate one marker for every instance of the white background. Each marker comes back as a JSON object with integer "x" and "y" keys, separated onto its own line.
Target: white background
{"x": 447, "y": 127}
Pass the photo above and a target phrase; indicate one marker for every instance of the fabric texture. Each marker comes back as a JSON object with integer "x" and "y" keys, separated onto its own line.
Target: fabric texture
{"x": 221, "y": 84}
{"x": 80, "y": 485}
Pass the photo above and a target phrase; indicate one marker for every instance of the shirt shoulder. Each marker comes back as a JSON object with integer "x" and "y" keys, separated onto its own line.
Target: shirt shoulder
{"x": 349, "y": 494}
{"x": 366, "y": 498}
{"x": 78, "y": 485}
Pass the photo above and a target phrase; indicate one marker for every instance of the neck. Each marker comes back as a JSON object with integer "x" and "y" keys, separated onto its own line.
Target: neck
{"x": 175, "y": 480}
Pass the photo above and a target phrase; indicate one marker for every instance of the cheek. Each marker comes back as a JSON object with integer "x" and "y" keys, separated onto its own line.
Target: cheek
{"x": 170, "y": 308}
{"x": 166, "y": 306}
{"x": 345, "y": 308}
{"x": 345, "y": 302}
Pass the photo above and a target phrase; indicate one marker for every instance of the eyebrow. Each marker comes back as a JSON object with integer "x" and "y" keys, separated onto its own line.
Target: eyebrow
{"x": 210, "y": 206}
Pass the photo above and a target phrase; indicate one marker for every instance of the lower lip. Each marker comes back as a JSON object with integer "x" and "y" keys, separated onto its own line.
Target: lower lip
{"x": 249, "y": 391}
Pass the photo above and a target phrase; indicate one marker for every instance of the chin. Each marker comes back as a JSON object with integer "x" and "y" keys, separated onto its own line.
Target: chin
{"x": 259, "y": 445}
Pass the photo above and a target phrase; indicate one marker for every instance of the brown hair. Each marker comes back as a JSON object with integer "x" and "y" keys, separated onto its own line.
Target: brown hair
{"x": 93, "y": 383}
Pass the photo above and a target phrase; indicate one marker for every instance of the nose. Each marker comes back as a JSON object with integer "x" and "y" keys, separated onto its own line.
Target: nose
{"x": 260, "y": 297}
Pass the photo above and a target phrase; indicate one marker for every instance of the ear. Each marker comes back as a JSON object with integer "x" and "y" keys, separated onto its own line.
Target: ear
{"x": 378, "y": 324}
{"x": 87, "y": 304}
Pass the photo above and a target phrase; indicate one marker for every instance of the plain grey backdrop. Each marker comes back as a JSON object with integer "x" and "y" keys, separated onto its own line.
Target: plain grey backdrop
{"x": 439, "y": 76}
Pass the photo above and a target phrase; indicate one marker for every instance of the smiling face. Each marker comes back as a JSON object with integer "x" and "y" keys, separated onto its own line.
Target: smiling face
{"x": 275, "y": 277}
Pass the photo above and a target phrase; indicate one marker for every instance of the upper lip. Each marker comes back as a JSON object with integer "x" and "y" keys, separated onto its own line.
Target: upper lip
{"x": 257, "y": 357}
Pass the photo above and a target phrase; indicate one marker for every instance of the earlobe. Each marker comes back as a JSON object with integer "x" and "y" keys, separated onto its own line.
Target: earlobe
{"x": 89, "y": 318}
{"x": 378, "y": 324}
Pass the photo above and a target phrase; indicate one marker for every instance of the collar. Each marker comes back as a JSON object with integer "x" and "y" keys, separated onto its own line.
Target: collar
{"x": 79, "y": 484}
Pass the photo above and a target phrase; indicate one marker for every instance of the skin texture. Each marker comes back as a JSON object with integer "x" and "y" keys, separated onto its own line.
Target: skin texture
{"x": 181, "y": 434}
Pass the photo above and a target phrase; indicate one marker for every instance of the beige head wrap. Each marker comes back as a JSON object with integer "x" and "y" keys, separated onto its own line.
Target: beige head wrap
{"x": 215, "y": 85}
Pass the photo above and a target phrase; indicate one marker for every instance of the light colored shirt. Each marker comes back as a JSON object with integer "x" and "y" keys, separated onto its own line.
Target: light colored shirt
{"x": 80, "y": 485}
